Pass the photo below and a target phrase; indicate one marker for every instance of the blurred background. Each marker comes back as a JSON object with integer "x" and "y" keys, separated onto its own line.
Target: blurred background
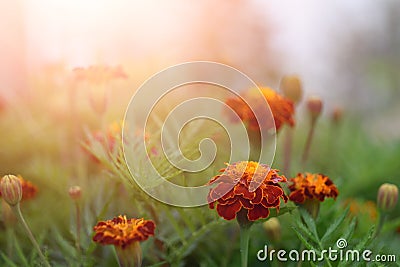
{"x": 345, "y": 50}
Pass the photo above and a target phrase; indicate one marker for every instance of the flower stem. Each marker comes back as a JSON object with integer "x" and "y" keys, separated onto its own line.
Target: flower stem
{"x": 287, "y": 151}
{"x": 308, "y": 143}
{"x": 17, "y": 211}
{"x": 78, "y": 227}
{"x": 244, "y": 244}
{"x": 382, "y": 220}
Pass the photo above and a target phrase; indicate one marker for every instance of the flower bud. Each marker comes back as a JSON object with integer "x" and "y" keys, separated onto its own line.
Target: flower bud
{"x": 314, "y": 105}
{"x": 75, "y": 192}
{"x": 291, "y": 88}
{"x": 273, "y": 228}
{"x": 337, "y": 115}
{"x": 11, "y": 189}
{"x": 387, "y": 196}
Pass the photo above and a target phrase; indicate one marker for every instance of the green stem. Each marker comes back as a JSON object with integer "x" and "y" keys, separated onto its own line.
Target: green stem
{"x": 10, "y": 236}
{"x": 17, "y": 211}
{"x": 382, "y": 220}
{"x": 244, "y": 245}
{"x": 78, "y": 227}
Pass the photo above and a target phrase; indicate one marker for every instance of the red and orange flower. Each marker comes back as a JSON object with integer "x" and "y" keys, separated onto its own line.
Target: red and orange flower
{"x": 281, "y": 107}
{"x": 247, "y": 186}
{"x": 311, "y": 186}
{"x": 122, "y": 232}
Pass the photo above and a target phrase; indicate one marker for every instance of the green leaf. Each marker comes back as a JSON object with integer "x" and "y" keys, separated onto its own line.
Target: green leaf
{"x": 350, "y": 229}
{"x": 334, "y": 226}
{"x": 186, "y": 218}
{"x": 8, "y": 260}
{"x": 175, "y": 225}
{"x": 307, "y": 231}
{"x": 66, "y": 248}
{"x": 309, "y": 221}
{"x": 304, "y": 241}
{"x": 20, "y": 253}
{"x": 366, "y": 240}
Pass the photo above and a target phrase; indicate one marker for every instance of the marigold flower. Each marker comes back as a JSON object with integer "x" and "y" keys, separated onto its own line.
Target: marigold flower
{"x": 363, "y": 208}
{"x": 29, "y": 190}
{"x": 237, "y": 190}
{"x": 281, "y": 107}
{"x": 311, "y": 186}
{"x": 121, "y": 232}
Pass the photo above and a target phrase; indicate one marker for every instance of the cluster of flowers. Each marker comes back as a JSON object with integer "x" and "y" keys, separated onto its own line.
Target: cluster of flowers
{"x": 245, "y": 190}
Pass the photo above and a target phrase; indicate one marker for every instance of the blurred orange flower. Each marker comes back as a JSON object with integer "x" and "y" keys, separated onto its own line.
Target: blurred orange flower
{"x": 121, "y": 232}
{"x": 29, "y": 190}
{"x": 311, "y": 186}
{"x": 358, "y": 207}
{"x": 239, "y": 177}
{"x": 99, "y": 74}
{"x": 281, "y": 107}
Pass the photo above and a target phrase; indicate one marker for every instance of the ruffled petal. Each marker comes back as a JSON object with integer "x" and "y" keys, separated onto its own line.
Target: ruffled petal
{"x": 228, "y": 212}
{"x": 257, "y": 212}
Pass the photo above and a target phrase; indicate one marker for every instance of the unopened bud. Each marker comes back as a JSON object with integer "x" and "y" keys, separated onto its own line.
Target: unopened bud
{"x": 75, "y": 192}
{"x": 337, "y": 115}
{"x": 273, "y": 228}
{"x": 387, "y": 197}
{"x": 11, "y": 189}
{"x": 291, "y": 88}
{"x": 314, "y": 105}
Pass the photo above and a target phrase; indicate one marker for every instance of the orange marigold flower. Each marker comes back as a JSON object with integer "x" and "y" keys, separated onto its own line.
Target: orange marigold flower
{"x": 363, "y": 208}
{"x": 237, "y": 189}
{"x": 311, "y": 186}
{"x": 281, "y": 107}
{"x": 29, "y": 190}
{"x": 121, "y": 232}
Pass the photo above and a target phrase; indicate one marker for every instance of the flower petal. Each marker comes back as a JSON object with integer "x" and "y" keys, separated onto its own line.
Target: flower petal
{"x": 228, "y": 212}
{"x": 257, "y": 212}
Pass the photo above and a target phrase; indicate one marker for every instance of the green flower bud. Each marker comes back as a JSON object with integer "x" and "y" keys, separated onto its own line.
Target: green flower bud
{"x": 291, "y": 88}
{"x": 387, "y": 197}
{"x": 11, "y": 189}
